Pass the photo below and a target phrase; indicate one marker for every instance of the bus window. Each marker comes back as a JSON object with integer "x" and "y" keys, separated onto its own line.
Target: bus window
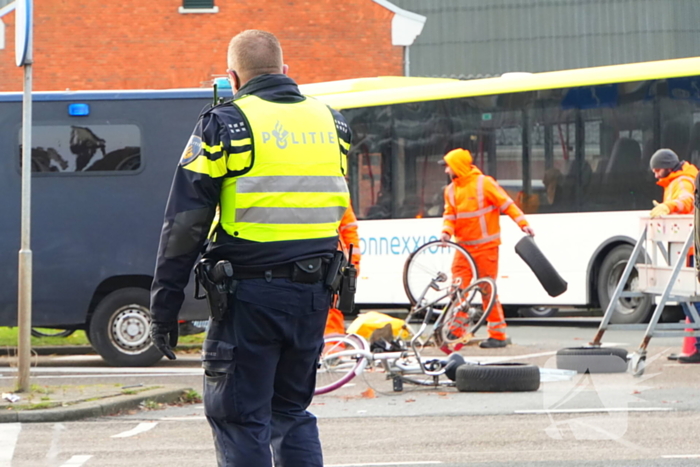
{"x": 552, "y": 156}
{"x": 422, "y": 136}
{"x": 71, "y": 149}
{"x": 370, "y": 186}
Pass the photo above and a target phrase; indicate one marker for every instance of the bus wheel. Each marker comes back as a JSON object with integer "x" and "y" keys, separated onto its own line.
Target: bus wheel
{"x": 120, "y": 329}
{"x": 538, "y": 312}
{"x": 629, "y": 310}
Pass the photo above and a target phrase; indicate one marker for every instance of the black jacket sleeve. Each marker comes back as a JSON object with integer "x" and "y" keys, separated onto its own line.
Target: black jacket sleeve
{"x": 344, "y": 133}
{"x": 190, "y": 210}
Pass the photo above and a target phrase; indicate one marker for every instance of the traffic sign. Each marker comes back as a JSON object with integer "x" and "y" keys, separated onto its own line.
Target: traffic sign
{"x": 23, "y": 32}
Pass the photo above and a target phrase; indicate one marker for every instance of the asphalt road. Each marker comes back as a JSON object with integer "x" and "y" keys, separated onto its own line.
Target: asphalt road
{"x": 578, "y": 420}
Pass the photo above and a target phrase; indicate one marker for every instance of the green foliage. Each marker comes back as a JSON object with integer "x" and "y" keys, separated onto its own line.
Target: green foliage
{"x": 191, "y": 397}
{"x": 9, "y": 338}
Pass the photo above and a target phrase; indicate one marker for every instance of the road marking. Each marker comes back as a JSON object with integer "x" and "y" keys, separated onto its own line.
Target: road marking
{"x": 682, "y": 456}
{"x": 53, "y": 450}
{"x": 76, "y": 461}
{"x": 140, "y": 428}
{"x": 386, "y": 463}
{"x": 182, "y": 419}
{"x": 596, "y": 410}
{"x": 9, "y": 434}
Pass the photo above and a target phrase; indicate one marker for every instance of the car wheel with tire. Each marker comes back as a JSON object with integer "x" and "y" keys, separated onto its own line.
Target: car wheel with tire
{"x": 120, "y": 329}
{"x": 629, "y": 310}
{"x": 498, "y": 377}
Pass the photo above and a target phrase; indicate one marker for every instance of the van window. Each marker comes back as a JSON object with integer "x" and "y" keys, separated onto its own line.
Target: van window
{"x": 94, "y": 148}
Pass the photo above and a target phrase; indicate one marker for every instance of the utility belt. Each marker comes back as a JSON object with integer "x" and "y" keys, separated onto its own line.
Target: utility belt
{"x": 219, "y": 279}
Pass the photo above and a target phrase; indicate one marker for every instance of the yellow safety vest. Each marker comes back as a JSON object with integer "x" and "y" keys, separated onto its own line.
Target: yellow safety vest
{"x": 295, "y": 189}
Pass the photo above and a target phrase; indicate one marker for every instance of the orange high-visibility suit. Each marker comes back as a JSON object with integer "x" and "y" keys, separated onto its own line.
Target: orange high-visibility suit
{"x": 348, "y": 236}
{"x": 679, "y": 189}
{"x": 473, "y": 205}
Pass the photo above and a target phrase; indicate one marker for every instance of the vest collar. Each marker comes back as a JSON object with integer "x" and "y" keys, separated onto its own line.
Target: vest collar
{"x": 277, "y": 88}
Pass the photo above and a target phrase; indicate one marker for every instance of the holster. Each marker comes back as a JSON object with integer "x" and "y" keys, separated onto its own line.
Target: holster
{"x": 348, "y": 287}
{"x": 334, "y": 274}
{"x": 217, "y": 281}
{"x": 341, "y": 280}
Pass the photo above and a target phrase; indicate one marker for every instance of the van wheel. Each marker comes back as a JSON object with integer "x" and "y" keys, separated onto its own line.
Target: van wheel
{"x": 629, "y": 310}
{"x": 120, "y": 329}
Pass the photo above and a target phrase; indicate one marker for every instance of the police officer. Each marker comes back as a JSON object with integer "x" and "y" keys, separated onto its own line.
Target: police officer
{"x": 274, "y": 160}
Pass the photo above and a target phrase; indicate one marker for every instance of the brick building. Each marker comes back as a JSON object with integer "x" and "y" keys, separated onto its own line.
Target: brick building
{"x": 161, "y": 44}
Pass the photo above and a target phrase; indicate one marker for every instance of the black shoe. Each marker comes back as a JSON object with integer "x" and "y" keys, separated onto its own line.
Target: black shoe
{"x": 492, "y": 343}
{"x": 672, "y": 357}
{"x": 695, "y": 358}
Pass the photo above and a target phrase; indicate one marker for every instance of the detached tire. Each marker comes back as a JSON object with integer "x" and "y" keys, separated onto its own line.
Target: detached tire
{"x": 454, "y": 361}
{"x": 540, "y": 265}
{"x": 593, "y": 359}
{"x": 120, "y": 329}
{"x": 498, "y": 377}
{"x": 628, "y": 310}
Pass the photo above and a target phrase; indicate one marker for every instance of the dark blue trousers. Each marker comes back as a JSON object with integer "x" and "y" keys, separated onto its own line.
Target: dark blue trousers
{"x": 260, "y": 373}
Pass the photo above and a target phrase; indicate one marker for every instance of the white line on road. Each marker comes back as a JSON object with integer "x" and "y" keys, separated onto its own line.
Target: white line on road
{"x": 76, "y": 461}
{"x": 682, "y": 456}
{"x": 54, "y": 449}
{"x": 385, "y": 463}
{"x": 9, "y": 433}
{"x": 596, "y": 410}
{"x": 140, "y": 428}
{"x": 182, "y": 419}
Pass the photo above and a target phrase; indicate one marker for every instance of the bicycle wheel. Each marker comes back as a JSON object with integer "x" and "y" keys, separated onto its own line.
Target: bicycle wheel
{"x": 343, "y": 357}
{"x": 427, "y": 273}
{"x": 50, "y": 332}
{"x": 467, "y": 314}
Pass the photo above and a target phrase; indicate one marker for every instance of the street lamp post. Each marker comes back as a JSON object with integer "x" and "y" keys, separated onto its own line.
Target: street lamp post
{"x": 23, "y": 55}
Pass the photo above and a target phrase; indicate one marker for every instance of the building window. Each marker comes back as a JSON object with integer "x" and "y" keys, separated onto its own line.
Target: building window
{"x": 94, "y": 148}
{"x": 198, "y": 6}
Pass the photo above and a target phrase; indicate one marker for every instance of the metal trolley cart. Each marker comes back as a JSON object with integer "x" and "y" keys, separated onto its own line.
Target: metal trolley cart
{"x": 664, "y": 269}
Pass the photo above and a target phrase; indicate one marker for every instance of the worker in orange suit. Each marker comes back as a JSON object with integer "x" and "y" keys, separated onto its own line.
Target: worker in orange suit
{"x": 677, "y": 178}
{"x": 348, "y": 236}
{"x": 473, "y": 205}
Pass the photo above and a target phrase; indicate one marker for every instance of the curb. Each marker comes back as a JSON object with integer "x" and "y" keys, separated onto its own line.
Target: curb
{"x": 111, "y": 405}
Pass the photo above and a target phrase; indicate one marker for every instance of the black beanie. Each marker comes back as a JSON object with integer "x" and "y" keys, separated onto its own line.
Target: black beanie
{"x": 664, "y": 159}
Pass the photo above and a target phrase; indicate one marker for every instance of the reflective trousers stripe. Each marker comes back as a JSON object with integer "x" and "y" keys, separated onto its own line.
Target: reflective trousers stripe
{"x": 258, "y": 215}
{"x": 291, "y": 184}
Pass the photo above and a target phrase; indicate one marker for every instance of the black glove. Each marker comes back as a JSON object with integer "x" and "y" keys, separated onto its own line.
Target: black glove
{"x": 164, "y": 336}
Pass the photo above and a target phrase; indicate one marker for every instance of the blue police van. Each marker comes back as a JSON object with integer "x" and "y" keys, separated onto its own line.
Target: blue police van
{"x": 102, "y": 164}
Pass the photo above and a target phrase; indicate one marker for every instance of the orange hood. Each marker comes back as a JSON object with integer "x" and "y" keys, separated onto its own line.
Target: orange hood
{"x": 460, "y": 161}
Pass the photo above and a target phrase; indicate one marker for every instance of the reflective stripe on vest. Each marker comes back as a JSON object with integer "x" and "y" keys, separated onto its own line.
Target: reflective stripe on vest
{"x": 295, "y": 189}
